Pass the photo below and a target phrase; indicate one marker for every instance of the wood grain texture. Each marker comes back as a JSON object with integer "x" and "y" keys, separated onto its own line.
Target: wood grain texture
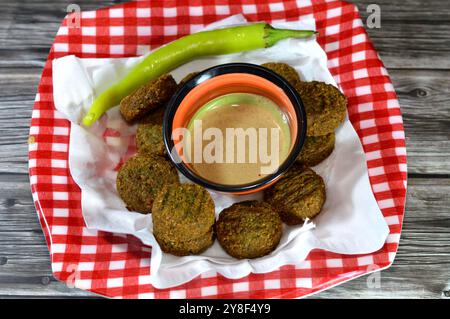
{"x": 412, "y": 30}
{"x": 414, "y": 43}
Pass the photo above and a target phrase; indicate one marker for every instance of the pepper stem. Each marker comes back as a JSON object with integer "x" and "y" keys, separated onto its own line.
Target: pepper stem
{"x": 273, "y": 35}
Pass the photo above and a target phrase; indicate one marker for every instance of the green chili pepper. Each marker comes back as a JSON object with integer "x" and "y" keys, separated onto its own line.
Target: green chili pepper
{"x": 185, "y": 49}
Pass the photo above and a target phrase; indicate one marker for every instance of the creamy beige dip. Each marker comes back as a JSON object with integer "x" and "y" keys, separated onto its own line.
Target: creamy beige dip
{"x": 242, "y": 137}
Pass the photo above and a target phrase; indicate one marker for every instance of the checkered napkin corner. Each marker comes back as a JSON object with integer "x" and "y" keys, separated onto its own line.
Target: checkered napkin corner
{"x": 118, "y": 265}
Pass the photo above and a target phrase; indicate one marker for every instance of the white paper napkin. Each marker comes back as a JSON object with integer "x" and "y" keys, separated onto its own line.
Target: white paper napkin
{"x": 350, "y": 223}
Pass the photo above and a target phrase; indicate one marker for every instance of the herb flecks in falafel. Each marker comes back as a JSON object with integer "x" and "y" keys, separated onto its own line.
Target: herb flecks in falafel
{"x": 249, "y": 229}
{"x": 141, "y": 178}
{"x": 189, "y": 247}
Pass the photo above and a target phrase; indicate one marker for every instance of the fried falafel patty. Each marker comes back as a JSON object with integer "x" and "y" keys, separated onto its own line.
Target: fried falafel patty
{"x": 187, "y": 78}
{"x": 298, "y": 195}
{"x": 148, "y": 97}
{"x": 285, "y": 70}
{"x": 141, "y": 178}
{"x": 155, "y": 116}
{"x": 316, "y": 149}
{"x": 325, "y": 106}
{"x": 249, "y": 229}
{"x": 183, "y": 219}
{"x": 189, "y": 247}
{"x": 149, "y": 139}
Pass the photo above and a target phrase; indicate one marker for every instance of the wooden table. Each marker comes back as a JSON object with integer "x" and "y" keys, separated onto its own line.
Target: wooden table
{"x": 414, "y": 43}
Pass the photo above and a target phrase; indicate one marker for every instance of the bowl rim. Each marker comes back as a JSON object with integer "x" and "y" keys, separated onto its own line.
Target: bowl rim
{"x": 227, "y": 68}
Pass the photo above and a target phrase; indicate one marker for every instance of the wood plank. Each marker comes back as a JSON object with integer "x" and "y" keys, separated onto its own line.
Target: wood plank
{"x": 421, "y": 268}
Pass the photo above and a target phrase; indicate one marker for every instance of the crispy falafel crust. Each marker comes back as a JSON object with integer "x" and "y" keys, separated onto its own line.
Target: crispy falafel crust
{"x": 249, "y": 229}
{"x": 298, "y": 195}
{"x": 285, "y": 70}
{"x": 316, "y": 149}
{"x": 325, "y": 106}
{"x": 148, "y": 97}
{"x": 149, "y": 139}
{"x": 183, "y": 219}
{"x": 141, "y": 178}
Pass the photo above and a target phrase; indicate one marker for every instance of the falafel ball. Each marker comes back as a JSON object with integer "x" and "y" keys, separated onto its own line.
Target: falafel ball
{"x": 183, "y": 219}
{"x": 325, "y": 106}
{"x": 141, "y": 178}
{"x": 298, "y": 195}
{"x": 183, "y": 248}
{"x": 285, "y": 70}
{"x": 249, "y": 229}
{"x": 148, "y": 97}
{"x": 155, "y": 116}
{"x": 149, "y": 139}
{"x": 316, "y": 149}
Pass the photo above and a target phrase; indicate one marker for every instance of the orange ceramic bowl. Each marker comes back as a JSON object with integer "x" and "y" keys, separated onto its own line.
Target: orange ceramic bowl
{"x": 225, "y": 79}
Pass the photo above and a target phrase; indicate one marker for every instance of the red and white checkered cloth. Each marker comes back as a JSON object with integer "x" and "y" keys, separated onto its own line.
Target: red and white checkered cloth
{"x": 118, "y": 265}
